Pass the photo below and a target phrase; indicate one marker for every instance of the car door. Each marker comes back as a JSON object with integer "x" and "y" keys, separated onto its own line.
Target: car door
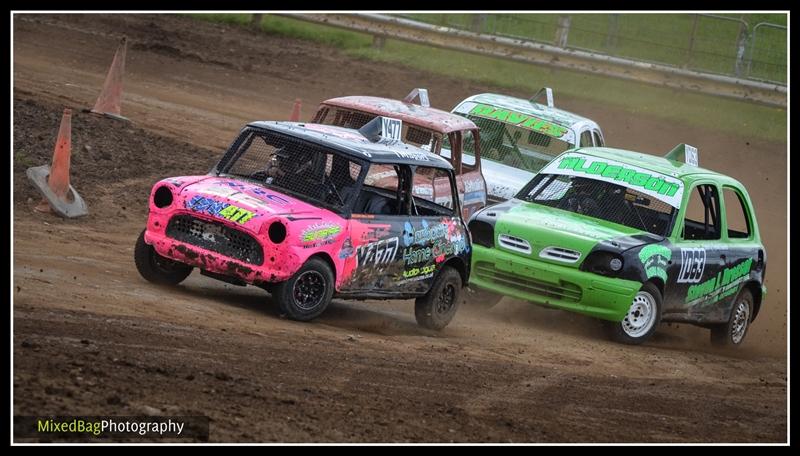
{"x": 462, "y": 149}
{"x": 373, "y": 256}
{"x": 434, "y": 232}
{"x": 472, "y": 188}
{"x": 401, "y": 231}
{"x": 745, "y": 257}
{"x": 454, "y": 141}
{"x": 699, "y": 254}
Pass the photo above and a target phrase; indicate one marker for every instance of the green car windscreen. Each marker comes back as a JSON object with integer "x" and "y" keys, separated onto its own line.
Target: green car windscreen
{"x": 609, "y": 191}
{"x": 515, "y": 139}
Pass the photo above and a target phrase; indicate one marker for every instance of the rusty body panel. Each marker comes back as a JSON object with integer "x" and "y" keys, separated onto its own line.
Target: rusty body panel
{"x": 430, "y": 118}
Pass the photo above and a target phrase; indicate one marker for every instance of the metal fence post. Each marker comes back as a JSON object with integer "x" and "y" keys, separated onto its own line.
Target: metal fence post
{"x": 691, "y": 42}
{"x": 562, "y": 31}
{"x": 478, "y": 21}
{"x": 255, "y": 21}
{"x": 752, "y": 49}
{"x": 741, "y": 47}
{"x": 613, "y": 32}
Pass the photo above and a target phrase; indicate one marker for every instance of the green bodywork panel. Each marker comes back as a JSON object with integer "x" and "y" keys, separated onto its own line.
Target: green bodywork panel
{"x": 544, "y": 226}
{"x": 601, "y": 297}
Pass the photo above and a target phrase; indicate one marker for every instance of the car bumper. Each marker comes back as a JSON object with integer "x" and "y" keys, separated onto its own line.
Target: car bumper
{"x": 187, "y": 252}
{"x": 552, "y": 285}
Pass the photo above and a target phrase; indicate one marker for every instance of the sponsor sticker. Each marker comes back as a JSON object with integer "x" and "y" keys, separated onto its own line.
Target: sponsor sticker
{"x": 320, "y": 232}
{"x": 219, "y": 209}
{"x": 660, "y": 186}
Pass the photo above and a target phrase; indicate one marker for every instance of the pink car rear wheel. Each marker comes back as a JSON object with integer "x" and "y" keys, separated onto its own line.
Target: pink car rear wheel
{"x": 439, "y": 305}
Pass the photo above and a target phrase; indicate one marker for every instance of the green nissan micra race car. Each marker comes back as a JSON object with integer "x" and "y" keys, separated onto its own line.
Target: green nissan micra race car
{"x": 629, "y": 238}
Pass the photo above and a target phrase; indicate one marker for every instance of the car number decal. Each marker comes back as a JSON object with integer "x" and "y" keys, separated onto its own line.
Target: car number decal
{"x": 693, "y": 263}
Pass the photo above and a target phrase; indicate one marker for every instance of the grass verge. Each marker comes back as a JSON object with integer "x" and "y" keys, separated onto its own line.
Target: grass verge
{"x": 743, "y": 118}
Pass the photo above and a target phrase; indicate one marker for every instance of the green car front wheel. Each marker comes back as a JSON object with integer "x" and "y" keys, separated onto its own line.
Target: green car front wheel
{"x": 642, "y": 318}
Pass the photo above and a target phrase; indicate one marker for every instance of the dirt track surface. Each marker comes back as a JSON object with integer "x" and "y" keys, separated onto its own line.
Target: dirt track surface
{"x": 92, "y": 337}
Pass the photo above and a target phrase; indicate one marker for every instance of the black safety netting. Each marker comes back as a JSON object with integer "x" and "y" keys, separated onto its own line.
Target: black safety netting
{"x": 602, "y": 200}
{"x": 295, "y": 167}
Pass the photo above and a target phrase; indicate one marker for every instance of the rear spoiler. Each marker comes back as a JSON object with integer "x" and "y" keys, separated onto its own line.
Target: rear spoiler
{"x": 546, "y": 91}
{"x": 685, "y": 153}
{"x": 423, "y": 97}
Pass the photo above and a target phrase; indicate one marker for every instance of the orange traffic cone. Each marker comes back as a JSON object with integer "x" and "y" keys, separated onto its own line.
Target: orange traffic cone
{"x": 53, "y": 181}
{"x": 110, "y": 100}
{"x": 295, "y": 117}
{"x": 59, "y": 172}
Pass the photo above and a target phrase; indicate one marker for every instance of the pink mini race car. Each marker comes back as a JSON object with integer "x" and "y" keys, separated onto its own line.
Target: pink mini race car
{"x": 310, "y": 212}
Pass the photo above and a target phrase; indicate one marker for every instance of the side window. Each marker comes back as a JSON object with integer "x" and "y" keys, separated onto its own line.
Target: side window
{"x": 598, "y": 140}
{"x": 319, "y": 117}
{"x": 342, "y": 169}
{"x": 586, "y": 139}
{"x": 701, "y": 221}
{"x": 348, "y": 119}
{"x": 432, "y": 192}
{"x": 447, "y": 147}
{"x": 736, "y": 214}
{"x": 379, "y": 195}
{"x": 417, "y": 136}
{"x": 468, "y": 151}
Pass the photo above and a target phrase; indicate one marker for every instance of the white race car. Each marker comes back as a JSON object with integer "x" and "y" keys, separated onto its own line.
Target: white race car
{"x": 519, "y": 137}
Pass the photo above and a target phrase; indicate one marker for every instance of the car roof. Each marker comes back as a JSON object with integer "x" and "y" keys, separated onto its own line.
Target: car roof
{"x": 662, "y": 165}
{"x": 413, "y": 114}
{"x": 523, "y": 106}
{"x": 351, "y": 142}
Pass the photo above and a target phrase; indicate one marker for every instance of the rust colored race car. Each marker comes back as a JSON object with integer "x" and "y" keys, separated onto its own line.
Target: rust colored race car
{"x": 449, "y": 135}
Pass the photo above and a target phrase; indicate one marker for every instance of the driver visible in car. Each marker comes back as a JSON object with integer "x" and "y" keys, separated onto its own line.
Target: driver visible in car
{"x": 291, "y": 171}
{"x": 341, "y": 181}
{"x": 580, "y": 198}
{"x": 277, "y": 165}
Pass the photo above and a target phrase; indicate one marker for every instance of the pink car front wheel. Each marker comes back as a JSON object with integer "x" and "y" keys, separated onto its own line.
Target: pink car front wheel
{"x": 307, "y": 293}
{"x": 155, "y": 268}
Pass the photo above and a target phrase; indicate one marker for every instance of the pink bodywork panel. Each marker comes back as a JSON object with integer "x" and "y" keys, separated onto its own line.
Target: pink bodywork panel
{"x": 252, "y": 209}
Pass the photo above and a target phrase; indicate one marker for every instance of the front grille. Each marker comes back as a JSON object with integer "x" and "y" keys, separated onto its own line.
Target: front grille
{"x": 514, "y": 243}
{"x": 564, "y": 291}
{"x": 560, "y": 254}
{"x": 216, "y": 237}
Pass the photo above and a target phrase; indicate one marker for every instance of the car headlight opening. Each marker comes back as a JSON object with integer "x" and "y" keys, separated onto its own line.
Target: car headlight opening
{"x": 163, "y": 197}
{"x": 603, "y": 263}
{"x": 277, "y": 232}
